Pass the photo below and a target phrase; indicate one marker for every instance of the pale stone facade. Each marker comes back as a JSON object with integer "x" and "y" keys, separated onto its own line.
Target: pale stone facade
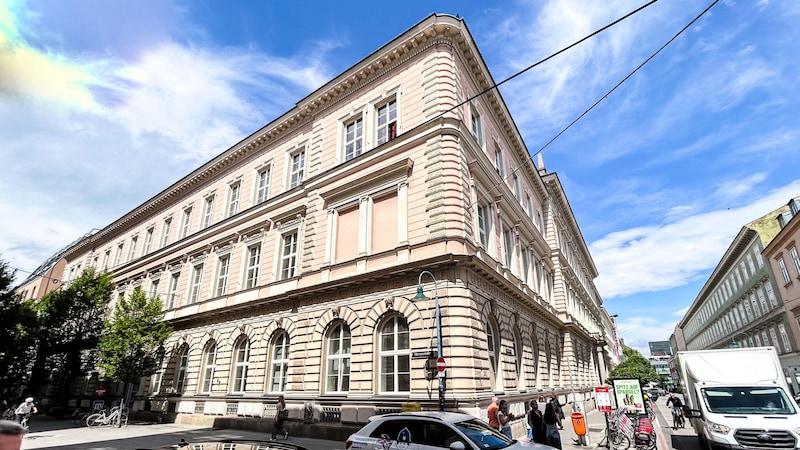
{"x": 289, "y": 264}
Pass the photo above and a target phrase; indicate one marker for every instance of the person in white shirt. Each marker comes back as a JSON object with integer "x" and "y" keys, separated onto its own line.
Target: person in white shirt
{"x": 25, "y": 409}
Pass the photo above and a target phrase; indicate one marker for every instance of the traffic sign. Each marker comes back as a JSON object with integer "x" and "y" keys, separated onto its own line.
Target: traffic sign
{"x": 440, "y": 364}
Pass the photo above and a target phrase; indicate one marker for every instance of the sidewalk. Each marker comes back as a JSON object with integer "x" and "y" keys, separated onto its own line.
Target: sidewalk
{"x": 47, "y": 433}
{"x": 596, "y": 427}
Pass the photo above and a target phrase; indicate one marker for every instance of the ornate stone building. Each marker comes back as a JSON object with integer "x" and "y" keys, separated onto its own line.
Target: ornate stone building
{"x": 290, "y": 263}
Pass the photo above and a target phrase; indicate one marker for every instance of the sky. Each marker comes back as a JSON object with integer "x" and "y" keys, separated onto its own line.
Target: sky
{"x": 105, "y": 103}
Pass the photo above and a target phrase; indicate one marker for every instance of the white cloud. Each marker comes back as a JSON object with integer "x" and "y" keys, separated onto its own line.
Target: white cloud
{"x": 661, "y": 257}
{"x": 638, "y": 331}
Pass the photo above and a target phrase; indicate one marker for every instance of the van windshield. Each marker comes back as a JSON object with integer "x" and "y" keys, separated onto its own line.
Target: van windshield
{"x": 747, "y": 400}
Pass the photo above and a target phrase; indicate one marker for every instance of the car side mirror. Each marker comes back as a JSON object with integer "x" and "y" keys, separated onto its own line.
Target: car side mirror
{"x": 693, "y": 413}
{"x": 457, "y": 445}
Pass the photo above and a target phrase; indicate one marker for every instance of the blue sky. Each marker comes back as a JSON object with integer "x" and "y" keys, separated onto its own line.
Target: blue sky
{"x": 661, "y": 175}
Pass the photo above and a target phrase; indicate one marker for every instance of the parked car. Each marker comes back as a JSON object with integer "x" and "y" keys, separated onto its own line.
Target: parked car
{"x": 432, "y": 430}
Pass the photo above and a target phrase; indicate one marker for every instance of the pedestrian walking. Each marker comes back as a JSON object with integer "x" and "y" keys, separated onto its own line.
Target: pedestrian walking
{"x": 491, "y": 413}
{"x": 11, "y": 435}
{"x": 504, "y": 418}
{"x": 552, "y": 425}
{"x": 281, "y": 414}
{"x": 536, "y": 423}
{"x": 558, "y": 410}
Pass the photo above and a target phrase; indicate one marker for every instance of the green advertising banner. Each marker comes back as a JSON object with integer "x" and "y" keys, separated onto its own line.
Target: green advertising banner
{"x": 628, "y": 393}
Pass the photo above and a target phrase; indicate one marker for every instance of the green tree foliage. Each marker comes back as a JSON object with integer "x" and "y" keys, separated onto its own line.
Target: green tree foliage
{"x": 18, "y": 330}
{"x": 133, "y": 345}
{"x": 71, "y": 321}
{"x": 634, "y": 365}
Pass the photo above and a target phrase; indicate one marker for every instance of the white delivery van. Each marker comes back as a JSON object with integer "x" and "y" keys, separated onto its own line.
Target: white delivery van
{"x": 738, "y": 399}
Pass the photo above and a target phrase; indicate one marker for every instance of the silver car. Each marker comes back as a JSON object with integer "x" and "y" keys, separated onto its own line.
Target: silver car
{"x": 431, "y": 430}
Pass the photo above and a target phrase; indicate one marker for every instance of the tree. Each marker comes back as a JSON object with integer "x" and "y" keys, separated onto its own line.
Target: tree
{"x": 133, "y": 344}
{"x": 71, "y": 321}
{"x": 18, "y": 329}
{"x": 634, "y": 365}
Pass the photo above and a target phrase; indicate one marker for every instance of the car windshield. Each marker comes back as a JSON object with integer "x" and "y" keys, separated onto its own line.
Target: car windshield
{"x": 747, "y": 400}
{"x": 484, "y": 436}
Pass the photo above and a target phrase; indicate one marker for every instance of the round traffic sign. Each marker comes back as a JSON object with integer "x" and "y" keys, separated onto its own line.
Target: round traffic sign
{"x": 440, "y": 364}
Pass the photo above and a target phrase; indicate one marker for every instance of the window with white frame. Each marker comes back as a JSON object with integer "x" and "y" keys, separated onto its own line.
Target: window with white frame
{"x": 773, "y": 300}
{"x": 106, "y": 256}
{"x": 795, "y": 259}
{"x": 288, "y": 255}
{"x": 183, "y": 367}
{"x": 172, "y": 292}
{"x": 280, "y": 362}
{"x": 208, "y": 211}
{"x": 252, "y": 267}
{"x": 165, "y": 228}
{"x": 132, "y": 248}
{"x": 387, "y": 121}
{"x": 209, "y": 367}
{"x": 499, "y": 162}
{"x": 337, "y": 359}
{"x": 118, "y": 255}
{"x": 353, "y": 137}
{"x": 148, "y": 241}
{"x": 508, "y": 246}
{"x": 485, "y": 225}
{"x": 517, "y": 342}
{"x": 234, "y": 192}
{"x": 297, "y": 167}
{"x": 154, "y": 288}
{"x": 186, "y": 220}
{"x": 784, "y": 271}
{"x": 395, "y": 356}
{"x": 223, "y": 269}
{"x": 775, "y": 342}
{"x": 197, "y": 282}
{"x": 526, "y": 264}
{"x": 515, "y": 182}
{"x": 476, "y": 125}
{"x": 787, "y": 343}
{"x": 263, "y": 176}
{"x": 240, "y": 365}
{"x": 493, "y": 349}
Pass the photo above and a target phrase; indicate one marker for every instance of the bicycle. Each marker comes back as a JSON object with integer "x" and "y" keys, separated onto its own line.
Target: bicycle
{"x": 79, "y": 417}
{"x": 25, "y": 419}
{"x": 677, "y": 418}
{"x": 107, "y": 418}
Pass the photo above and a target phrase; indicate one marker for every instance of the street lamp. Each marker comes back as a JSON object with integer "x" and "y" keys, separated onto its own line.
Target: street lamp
{"x": 438, "y": 320}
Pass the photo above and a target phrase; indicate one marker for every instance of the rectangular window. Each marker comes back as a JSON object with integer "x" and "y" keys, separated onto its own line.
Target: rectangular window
{"x": 499, "y": 163}
{"x": 223, "y": 267}
{"x": 289, "y": 255}
{"x": 148, "y": 241}
{"x": 297, "y": 165}
{"x": 387, "y": 122}
{"x": 165, "y": 232}
{"x": 132, "y": 248}
{"x": 353, "y": 138}
{"x": 476, "y": 126}
{"x": 484, "y": 224}
{"x": 154, "y": 288}
{"x": 233, "y": 199}
{"x": 118, "y": 255}
{"x": 787, "y": 343}
{"x": 106, "y": 256}
{"x": 185, "y": 221}
{"x": 197, "y": 281}
{"x": 384, "y": 223}
{"x": 347, "y": 232}
{"x": 508, "y": 246}
{"x": 784, "y": 271}
{"x": 172, "y": 294}
{"x": 795, "y": 259}
{"x": 208, "y": 212}
{"x": 253, "y": 265}
{"x": 262, "y": 185}
{"x": 517, "y": 194}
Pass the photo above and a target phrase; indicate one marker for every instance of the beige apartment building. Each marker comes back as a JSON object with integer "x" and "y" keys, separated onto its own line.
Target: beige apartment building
{"x": 290, "y": 263}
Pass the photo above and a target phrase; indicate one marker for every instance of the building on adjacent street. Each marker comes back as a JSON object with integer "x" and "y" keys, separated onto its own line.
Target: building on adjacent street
{"x": 740, "y": 304}
{"x": 310, "y": 259}
{"x": 784, "y": 261}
